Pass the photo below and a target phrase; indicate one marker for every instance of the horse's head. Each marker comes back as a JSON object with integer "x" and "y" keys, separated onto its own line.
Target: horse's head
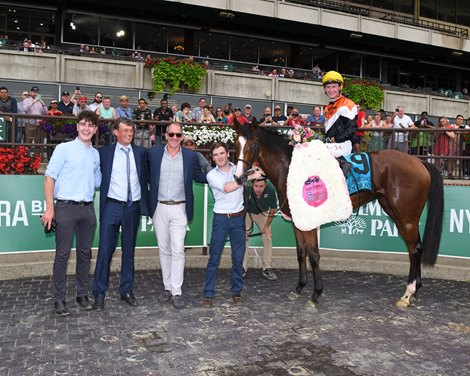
{"x": 246, "y": 144}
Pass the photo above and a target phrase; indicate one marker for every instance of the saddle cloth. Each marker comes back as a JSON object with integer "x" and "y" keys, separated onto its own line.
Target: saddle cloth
{"x": 360, "y": 177}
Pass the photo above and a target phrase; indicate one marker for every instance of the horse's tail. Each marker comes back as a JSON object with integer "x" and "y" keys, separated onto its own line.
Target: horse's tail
{"x": 433, "y": 229}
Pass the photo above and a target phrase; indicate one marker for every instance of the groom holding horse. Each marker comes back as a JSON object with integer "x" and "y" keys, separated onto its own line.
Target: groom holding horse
{"x": 340, "y": 114}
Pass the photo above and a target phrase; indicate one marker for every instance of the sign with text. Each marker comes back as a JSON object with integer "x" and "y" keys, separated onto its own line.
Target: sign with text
{"x": 22, "y": 203}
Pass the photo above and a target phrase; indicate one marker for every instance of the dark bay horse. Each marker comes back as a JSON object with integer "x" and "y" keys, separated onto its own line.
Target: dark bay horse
{"x": 402, "y": 185}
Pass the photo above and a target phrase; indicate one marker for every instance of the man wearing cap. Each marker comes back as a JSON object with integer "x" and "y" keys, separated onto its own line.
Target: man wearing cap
{"x": 421, "y": 142}
{"x": 81, "y": 106}
{"x": 124, "y": 111}
{"x": 237, "y": 114}
{"x": 248, "y": 115}
{"x": 33, "y": 105}
{"x": 71, "y": 177}
{"x": 188, "y": 143}
{"x": 279, "y": 117}
{"x": 262, "y": 207}
{"x": 66, "y": 104}
{"x": 340, "y": 114}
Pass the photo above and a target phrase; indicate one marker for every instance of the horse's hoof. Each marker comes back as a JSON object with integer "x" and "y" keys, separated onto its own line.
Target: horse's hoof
{"x": 413, "y": 299}
{"x": 310, "y": 304}
{"x": 402, "y": 303}
{"x": 293, "y": 295}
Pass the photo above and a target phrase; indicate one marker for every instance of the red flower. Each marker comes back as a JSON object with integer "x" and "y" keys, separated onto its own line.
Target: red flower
{"x": 17, "y": 161}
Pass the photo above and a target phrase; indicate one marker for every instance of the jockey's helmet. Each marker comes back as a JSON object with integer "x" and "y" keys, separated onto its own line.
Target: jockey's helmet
{"x": 332, "y": 77}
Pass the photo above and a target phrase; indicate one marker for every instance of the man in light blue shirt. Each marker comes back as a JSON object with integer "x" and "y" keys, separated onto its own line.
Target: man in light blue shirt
{"x": 71, "y": 177}
{"x": 228, "y": 220}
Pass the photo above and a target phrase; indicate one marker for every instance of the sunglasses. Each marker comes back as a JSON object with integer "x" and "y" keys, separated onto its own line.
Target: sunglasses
{"x": 178, "y": 135}
{"x": 99, "y": 97}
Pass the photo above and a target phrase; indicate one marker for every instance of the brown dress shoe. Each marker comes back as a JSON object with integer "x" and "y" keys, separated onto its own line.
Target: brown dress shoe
{"x": 237, "y": 299}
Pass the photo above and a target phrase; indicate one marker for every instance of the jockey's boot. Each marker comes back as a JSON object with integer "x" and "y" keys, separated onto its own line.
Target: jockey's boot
{"x": 344, "y": 165}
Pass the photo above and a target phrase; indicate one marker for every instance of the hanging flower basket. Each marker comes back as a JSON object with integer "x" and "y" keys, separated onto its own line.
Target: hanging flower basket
{"x": 176, "y": 73}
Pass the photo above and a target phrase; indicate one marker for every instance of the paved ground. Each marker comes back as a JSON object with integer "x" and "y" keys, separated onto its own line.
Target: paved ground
{"x": 355, "y": 331}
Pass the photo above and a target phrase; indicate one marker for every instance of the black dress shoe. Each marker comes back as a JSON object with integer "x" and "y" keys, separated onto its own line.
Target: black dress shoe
{"x": 61, "y": 308}
{"x": 129, "y": 298}
{"x": 83, "y": 302}
{"x": 98, "y": 305}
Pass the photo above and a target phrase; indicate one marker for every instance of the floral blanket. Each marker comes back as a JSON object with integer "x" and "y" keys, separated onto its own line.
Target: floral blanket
{"x": 316, "y": 187}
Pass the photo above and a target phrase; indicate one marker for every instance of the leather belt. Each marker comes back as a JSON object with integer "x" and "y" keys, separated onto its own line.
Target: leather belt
{"x": 80, "y": 203}
{"x": 232, "y": 215}
{"x": 123, "y": 203}
{"x": 171, "y": 202}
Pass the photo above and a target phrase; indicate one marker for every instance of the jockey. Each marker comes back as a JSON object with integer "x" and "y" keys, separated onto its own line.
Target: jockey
{"x": 340, "y": 114}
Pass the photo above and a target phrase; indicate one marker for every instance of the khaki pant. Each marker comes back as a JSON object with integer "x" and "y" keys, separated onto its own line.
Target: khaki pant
{"x": 267, "y": 257}
{"x": 33, "y": 134}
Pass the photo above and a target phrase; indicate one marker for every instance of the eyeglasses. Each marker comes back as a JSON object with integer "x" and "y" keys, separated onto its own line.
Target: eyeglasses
{"x": 99, "y": 97}
{"x": 295, "y": 114}
{"x": 188, "y": 144}
{"x": 172, "y": 134}
{"x": 277, "y": 109}
{"x": 219, "y": 110}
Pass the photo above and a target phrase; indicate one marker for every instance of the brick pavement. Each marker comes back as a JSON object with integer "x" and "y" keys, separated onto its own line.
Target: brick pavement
{"x": 355, "y": 331}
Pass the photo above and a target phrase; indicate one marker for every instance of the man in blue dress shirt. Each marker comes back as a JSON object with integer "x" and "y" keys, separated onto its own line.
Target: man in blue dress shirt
{"x": 71, "y": 177}
{"x": 123, "y": 199}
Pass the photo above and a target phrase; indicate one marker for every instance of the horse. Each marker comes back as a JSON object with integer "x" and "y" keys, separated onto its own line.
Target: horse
{"x": 401, "y": 183}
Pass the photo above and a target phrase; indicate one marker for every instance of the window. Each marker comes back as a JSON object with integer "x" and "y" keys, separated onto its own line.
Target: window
{"x": 150, "y": 37}
{"x": 176, "y": 41}
{"x": 244, "y": 49}
{"x": 463, "y": 15}
{"x": 349, "y": 63}
{"x": 384, "y": 4}
{"x": 404, "y": 6}
{"x": 446, "y": 10}
{"x": 115, "y": 33}
{"x": 20, "y": 23}
{"x": 81, "y": 28}
{"x": 371, "y": 67}
{"x": 273, "y": 53}
{"x": 212, "y": 45}
{"x": 428, "y": 8}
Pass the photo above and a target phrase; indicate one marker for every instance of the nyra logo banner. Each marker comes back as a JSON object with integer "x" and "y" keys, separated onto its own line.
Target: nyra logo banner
{"x": 370, "y": 228}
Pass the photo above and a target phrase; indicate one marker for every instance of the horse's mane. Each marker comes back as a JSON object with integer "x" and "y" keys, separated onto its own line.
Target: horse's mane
{"x": 268, "y": 137}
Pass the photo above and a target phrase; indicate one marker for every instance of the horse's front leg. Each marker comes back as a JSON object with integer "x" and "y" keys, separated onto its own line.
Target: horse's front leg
{"x": 414, "y": 278}
{"x": 311, "y": 240}
{"x": 302, "y": 259}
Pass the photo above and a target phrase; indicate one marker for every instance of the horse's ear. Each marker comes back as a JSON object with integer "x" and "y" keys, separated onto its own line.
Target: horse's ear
{"x": 254, "y": 123}
{"x": 236, "y": 125}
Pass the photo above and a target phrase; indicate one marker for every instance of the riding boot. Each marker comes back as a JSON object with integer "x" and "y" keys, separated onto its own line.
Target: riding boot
{"x": 344, "y": 165}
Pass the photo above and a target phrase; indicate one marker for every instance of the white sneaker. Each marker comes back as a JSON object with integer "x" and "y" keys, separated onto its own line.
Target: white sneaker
{"x": 269, "y": 274}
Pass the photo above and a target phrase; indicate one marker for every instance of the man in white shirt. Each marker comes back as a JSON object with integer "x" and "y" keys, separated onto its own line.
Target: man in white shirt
{"x": 226, "y": 183}
{"x": 402, "y": 121}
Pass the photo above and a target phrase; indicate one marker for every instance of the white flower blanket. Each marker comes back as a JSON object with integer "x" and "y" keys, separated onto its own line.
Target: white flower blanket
{"x": 316, "y": 188}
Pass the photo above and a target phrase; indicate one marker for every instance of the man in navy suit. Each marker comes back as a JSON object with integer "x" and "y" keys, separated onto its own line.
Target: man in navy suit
{"x": 172, "y": 171}
{"x": 123, "y": 199}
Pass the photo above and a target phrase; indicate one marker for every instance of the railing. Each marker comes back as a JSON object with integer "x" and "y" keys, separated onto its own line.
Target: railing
{"x": 368, "y": 12}
{"x": 426, "y": 24}
{"x": 341, "y": 7}
{"x": 450, "y": 155}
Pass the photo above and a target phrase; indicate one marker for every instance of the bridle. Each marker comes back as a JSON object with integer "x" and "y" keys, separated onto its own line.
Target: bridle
{"x": 254, "y": 158}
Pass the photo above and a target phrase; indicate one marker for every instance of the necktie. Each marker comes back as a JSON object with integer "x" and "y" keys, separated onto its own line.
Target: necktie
{"x": 128, "y": 173}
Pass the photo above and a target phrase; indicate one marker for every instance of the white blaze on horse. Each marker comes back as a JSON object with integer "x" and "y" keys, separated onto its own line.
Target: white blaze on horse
{"x": 402, "y": 184}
